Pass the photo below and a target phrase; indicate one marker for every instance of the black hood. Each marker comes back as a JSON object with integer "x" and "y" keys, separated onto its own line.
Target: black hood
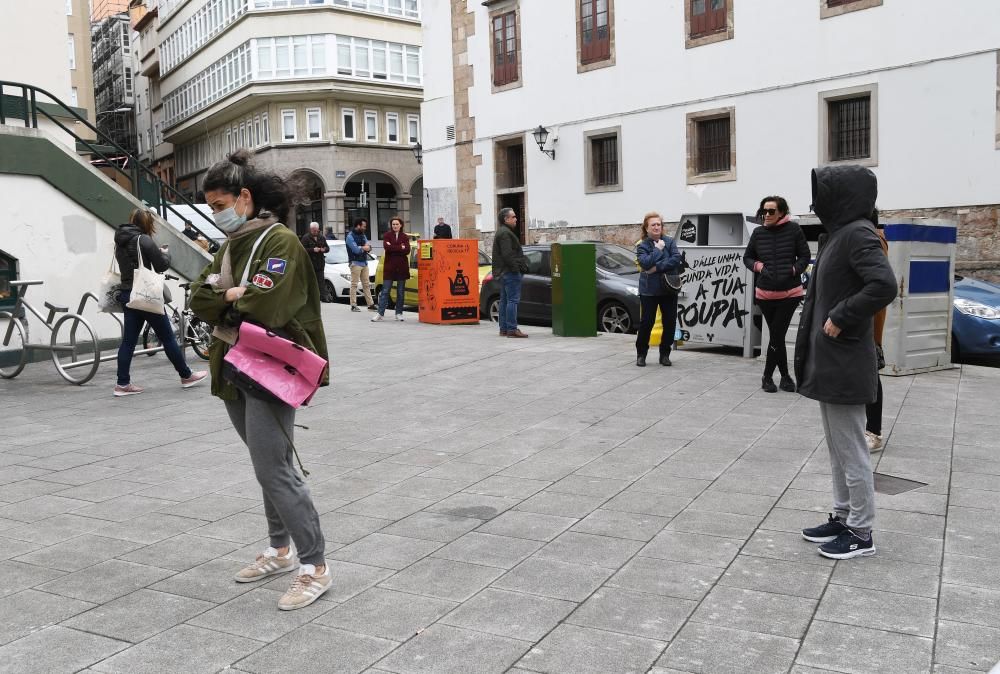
{"x": 125, "y": 234}
{"x": 843, "y": 194}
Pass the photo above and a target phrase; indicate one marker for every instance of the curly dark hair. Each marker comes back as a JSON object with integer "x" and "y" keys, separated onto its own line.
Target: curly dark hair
{"x": 270, "y": 192}
{"x": 778, "y": 201}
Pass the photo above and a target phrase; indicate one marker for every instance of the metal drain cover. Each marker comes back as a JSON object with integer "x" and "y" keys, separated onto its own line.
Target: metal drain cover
{"x": 892, "y": 485}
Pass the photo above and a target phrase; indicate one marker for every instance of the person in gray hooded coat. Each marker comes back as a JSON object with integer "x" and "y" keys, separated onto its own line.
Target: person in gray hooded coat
{"x": 835, "y": 360}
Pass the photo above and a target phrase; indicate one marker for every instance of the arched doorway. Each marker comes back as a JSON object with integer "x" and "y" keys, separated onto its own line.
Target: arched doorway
{"x": 417, "y": 221}
{"x": 308, "y": 201}
{"x": 373, "y": 196}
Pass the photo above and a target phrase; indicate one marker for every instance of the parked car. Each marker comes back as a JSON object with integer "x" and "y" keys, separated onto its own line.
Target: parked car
{"x": 338, "y": 270}
{"x": 975, "y": 323}
{"x": 617, "y": 289}
{"x": 410, "y": 287}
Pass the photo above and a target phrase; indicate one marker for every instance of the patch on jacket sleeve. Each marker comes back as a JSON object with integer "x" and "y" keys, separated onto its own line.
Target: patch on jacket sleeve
{"x": 276, "y": 265}
{"x": 263, "y": 281}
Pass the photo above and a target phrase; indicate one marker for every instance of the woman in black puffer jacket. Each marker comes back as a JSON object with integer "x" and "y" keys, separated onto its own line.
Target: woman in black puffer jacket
{"x": 778, "y": 254}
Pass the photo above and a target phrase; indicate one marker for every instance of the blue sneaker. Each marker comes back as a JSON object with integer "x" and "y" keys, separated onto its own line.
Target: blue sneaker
{"x": 847, "y": 545}
{"x": 825, "y": 532}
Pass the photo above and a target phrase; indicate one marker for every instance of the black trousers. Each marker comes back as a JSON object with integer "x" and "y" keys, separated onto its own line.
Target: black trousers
{"x": 873, "y": 413}
{"x": 321, "y": 279}
{"x": 778, "y": 315}
{"x": 648, "y": 304}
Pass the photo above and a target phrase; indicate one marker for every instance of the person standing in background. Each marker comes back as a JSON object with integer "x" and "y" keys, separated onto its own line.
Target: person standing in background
{"x": 317, "y": 247}
{"x": 873, "y": 411}
{"x": 357, "y": 252}
{"x": 442, "y": 230}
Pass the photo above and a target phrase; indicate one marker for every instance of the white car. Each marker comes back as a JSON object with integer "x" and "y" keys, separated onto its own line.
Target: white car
{"x": 338, "y": 271}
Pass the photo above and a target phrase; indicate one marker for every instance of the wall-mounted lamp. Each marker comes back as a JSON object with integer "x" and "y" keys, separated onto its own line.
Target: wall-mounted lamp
{"x": 418, "y": 152}
{"x": 541, "y": 135}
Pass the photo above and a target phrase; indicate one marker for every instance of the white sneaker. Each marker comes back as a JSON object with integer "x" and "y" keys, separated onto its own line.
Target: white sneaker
{"x": 376, "y": 318}
{"x": 306, "y": 588}
{"x": 399, "y": 317}
{"x": 268, "y": 563}
{"x": 874, "y": 442}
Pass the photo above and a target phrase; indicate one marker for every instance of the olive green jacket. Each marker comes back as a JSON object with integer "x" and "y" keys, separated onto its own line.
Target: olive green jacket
{"x": 282, "y": 294}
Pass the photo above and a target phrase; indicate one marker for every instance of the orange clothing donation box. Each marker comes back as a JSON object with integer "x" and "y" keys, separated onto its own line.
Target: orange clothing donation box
{"x": 448, "y": 281}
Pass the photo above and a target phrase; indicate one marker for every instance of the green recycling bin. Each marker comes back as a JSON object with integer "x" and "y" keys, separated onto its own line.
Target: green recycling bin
{"x": 574, "y": 289}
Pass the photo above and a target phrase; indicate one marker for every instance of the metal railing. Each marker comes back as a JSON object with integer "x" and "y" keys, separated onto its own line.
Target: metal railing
{"x": 165, "y": 197}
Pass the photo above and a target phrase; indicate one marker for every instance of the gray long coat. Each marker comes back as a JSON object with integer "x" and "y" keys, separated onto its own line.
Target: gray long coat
{"x": 852, "y": 280}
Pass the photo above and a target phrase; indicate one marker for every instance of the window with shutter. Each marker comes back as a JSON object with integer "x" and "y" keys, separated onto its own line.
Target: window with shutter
{"x": 713, "y": 145}
{"x": 595, "y": 31}
{"x": 850, "y": 128}
{"x": 708, "y": 16}
{"x": 505, "y": 49}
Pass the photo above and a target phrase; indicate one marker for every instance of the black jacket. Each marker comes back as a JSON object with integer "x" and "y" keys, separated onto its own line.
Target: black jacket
{"x": 319, "y": 241}
{"x": 442, "y": 231}
{"x": 784, "y": 252}
{"x": 508, "y": 256}
{"x": 852, "y": 280}
{"x": 125, "y": 252}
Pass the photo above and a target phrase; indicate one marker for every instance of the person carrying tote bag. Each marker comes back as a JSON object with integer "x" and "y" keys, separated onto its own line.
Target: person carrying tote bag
{"x": 281, "y": 296}
{"x": 140, "y": 259}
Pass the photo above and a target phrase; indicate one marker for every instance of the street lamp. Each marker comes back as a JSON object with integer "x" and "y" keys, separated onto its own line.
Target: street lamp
{"x": 541, "y": 135}
{"x": 418, "y": 153}
{"x": 109, "y": 112}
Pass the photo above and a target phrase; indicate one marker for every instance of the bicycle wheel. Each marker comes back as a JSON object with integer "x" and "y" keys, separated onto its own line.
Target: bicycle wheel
{"x": 200, "y": 337}
{"x": 76, "y": 351}
{"x": 151, "y": 341}
{"x": 13, "y": 355}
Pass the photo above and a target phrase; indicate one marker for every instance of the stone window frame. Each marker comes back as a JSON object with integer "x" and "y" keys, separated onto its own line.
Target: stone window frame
{"x": 827, "y": 12}
{"x": 589, "y": 184}
{"x": 596, "y": 65}
{"x": 498, "y": 8}
{"x": 692, "y": 119}
{"x": 500, "y": 145}
{"x": 721, "y": 36}
{"x": 344, "y": 111}
{"x": 825, "y": 97}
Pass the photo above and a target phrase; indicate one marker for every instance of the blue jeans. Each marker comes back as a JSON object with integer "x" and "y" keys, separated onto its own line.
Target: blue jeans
{"x": 383, "y": 297}
{"x": 510, "y": 295}
{"x": 130, "y": 337}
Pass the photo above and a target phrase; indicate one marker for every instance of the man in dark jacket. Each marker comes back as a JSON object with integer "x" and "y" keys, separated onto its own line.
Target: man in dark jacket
{"x": 835, "y": 352}
{"x": 317, "y": 247}
{"x": 509, "y": 265}
{"x": 442, "y": 230}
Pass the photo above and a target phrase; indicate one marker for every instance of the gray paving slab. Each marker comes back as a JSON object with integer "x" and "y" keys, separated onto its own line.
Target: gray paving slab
{"x": 573, "y": 512}
{"x": 55, "y": 650}
{"x": 172, "y": 651}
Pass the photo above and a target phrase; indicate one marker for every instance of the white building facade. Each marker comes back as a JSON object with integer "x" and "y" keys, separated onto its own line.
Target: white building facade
{"x": 325, "y": 91}
{"x": 702, "y": 106}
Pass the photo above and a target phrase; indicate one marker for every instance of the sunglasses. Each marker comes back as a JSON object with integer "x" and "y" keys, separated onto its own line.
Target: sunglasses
{"x": 769, "y": 211}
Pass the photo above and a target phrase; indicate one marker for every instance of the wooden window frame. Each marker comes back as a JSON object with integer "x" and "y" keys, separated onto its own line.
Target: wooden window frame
{"x": 510, "y": 75}
{"x": 591, "y": 185}
{"x": 694, "y": 176}
{"x": 828, "y": 11}
{"x": 719, "y": 34}
{"x": 827, "y": 97}
{"x": 594, "y": 58}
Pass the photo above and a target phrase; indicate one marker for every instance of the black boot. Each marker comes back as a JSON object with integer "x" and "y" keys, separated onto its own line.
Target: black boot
{"x": 640, "y": 361}
{"x": 665, "y": 360}
{"x": 787, "y": 384}
{"x": 767, "y": 384}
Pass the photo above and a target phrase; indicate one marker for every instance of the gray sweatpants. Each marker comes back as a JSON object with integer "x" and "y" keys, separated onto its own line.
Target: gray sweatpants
{"x": 850, "y": 462}
{"x": 289, "y": 508}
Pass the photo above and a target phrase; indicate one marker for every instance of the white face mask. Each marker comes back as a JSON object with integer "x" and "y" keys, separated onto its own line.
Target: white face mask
{"x": 227, "y": 221}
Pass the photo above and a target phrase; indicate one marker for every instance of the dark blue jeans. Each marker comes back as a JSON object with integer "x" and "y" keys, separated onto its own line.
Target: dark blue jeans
{"x": 383, "y": 297}
{"x": 130, "y": 337}
{"x": 510, "y": 295}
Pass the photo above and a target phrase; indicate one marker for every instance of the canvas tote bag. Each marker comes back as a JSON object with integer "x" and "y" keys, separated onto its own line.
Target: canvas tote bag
{"x": 147, "y": 286}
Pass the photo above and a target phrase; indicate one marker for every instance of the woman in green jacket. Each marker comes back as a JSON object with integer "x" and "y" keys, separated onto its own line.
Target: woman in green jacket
{"x": 280, "y": 293}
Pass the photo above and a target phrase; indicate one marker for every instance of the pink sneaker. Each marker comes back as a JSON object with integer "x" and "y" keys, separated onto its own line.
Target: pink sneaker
{"x": 193, "y": 379}
{"x": 127, "y": 390}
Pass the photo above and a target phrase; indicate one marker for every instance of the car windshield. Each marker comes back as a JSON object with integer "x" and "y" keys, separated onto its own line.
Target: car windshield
{"x": 337, "y": 255}
{"x": 484, "y": 259}
{"x": 616, "y": 259}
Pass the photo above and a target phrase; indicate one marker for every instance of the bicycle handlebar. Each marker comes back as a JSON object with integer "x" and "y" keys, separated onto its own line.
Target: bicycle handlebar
{"x": 17, "y": 284}
{"x": 171, "y": 277}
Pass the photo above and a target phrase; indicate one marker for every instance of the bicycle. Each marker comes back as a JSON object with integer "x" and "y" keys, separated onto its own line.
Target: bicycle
{"x": 197, "y": 333}
{"x": 67, "y": 354}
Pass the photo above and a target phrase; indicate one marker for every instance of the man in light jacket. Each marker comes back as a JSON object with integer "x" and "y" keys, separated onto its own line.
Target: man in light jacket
{"x": 835, "y": 361}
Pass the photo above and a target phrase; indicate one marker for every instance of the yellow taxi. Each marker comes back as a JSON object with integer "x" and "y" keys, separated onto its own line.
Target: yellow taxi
{"x": 410, "y": 287}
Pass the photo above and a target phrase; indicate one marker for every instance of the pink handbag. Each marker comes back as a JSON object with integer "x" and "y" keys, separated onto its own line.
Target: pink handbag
{"x": 262, "y": 362}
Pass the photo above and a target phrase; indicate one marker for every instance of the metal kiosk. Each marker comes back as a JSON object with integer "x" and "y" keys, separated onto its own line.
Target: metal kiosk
{"x": 574, "y": 289}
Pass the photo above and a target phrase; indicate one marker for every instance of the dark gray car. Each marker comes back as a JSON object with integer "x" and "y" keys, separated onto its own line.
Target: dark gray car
{"x": 617, "y": 289}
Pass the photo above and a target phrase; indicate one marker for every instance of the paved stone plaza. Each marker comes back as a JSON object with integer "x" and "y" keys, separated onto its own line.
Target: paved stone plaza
{"x": 497, "y": 505}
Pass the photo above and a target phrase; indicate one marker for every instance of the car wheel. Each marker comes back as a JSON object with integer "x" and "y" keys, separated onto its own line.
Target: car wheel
{"x": 494, "y": 309}
{"x": 614, "y": 317}
{"x": 331, "y": 291}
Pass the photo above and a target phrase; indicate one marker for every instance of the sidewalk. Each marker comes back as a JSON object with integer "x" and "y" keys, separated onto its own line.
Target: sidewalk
{"x": 497, "y": 505}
